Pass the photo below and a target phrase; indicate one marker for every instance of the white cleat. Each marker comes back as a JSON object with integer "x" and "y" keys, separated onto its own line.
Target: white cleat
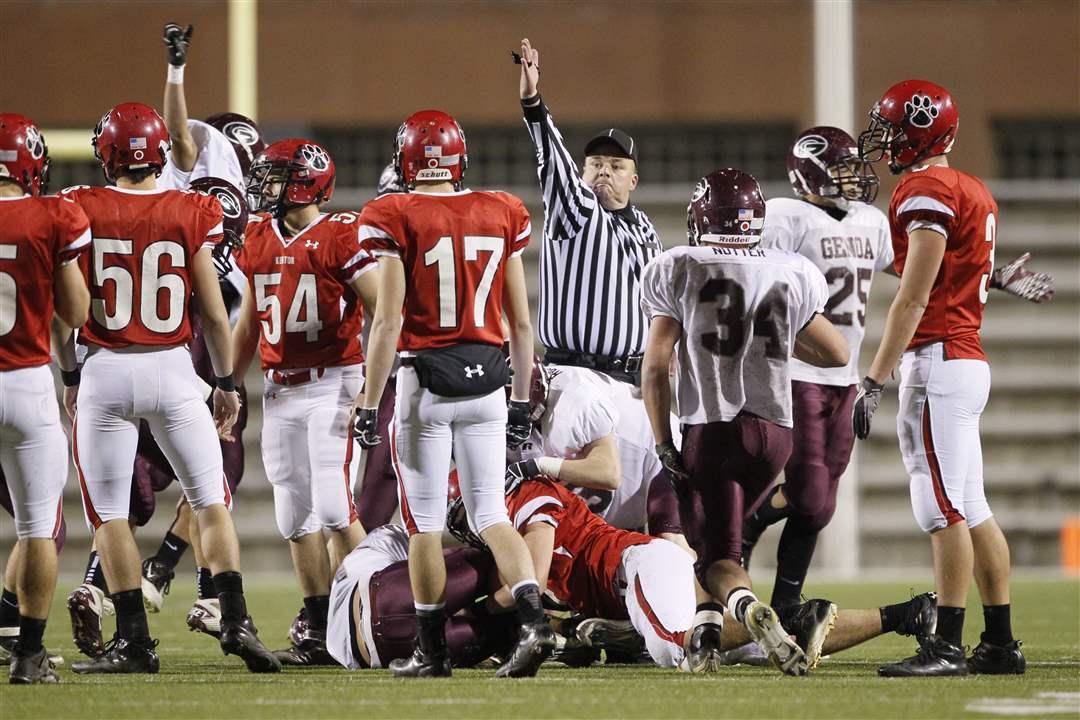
{"x": 748, "y": 654}
{"x": 765, "y": 628}
{"x": 87, "y": 604}
{"x": 205, "y": 617}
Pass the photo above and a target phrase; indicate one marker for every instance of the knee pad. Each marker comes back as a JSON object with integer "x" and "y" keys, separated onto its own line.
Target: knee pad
{"x": 977, "y": 512}
{"x": 293, "y": 513}
{"x": 928, "y": 510}
{"x": 807, "y": 489}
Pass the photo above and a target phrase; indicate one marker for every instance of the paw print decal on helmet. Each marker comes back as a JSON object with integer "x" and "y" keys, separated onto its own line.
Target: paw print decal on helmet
{"x": 315, "y": 157}
{"x": 921, "y": 111}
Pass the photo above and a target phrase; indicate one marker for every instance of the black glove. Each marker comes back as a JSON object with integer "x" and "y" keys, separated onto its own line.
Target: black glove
{"x": 518, "y": 423}
{"x": 177, "y": 39}
{"x": 364, "y": 428}
{"x": 519, "y": 472}
{"x": 672, "y": 462}
{"x": 865, "y": 404}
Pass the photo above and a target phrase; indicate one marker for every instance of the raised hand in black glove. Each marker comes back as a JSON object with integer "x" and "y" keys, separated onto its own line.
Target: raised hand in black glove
{"x": 677, "y": 474}
{"x": 519, "y": 472}
{"x": 518, "y": 423}
{"x": 866, "y": 403}
{"x": 365, "y": 424}
{"x": 177, "y": 39}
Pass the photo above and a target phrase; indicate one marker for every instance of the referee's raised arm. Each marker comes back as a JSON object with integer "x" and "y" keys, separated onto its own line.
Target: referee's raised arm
{"x": 596, "y": 244}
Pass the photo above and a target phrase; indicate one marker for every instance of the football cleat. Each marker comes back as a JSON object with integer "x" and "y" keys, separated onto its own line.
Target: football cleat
{"x": 765, "y": 628}
{"x": 121, "y": 655}
{"x": 535, "y": 644}
{"x": 9, "y": 635}
{"x": 416, "y": 665}
{"x": 240, "y": 638}
{"x": 300, "y": 625}
{"x": 935, "y": 658}
{"x": 32, "y": 669}
{"x": 205, "y": 617}
{"x": 748, "y": 654}
{"x": 810, "y": 623}
{"x": 990, "y": 659}
{"x": 156, "y": 580}
{"x": 573, "y": 652}
{"x": 921, "y": 618}
{"x": 703, "y": 651}
{"x": 310, "y": 651}
{"x": 86, "y": 605}
{"x": 617, "y": 636}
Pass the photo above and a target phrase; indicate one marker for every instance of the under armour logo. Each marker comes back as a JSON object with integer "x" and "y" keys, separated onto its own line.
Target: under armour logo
{"x": 312, "y": 244}
{"x": 478, "y": 371}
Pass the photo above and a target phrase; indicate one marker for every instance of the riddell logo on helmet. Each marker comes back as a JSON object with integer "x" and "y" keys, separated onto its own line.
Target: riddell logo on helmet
{"x": 921, "y": 111}
{"x": 810, "y": 146}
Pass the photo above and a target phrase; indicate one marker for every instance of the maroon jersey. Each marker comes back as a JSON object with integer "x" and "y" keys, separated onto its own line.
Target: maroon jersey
{"x": 37, "y": 235}
{"x": 140, "y": 262}
{"x": 958, "y": 206}
{"x": 454, "y": 247}
{"x": 309, "y": 314}
{"x": 588, "y": 551}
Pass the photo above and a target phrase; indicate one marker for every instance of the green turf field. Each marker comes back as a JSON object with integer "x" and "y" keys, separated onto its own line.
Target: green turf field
{"x": 197, "y": 681}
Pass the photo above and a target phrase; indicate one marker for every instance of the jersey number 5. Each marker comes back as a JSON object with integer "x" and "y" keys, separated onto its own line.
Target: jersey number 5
{"x": 152, "y": 282}
{"x": 442, "y": 256}
{"x": 305, "y": 301}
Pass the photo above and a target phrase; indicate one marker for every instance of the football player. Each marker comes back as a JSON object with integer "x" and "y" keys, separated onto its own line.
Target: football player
{"x": 151, "y": 253}
{"x": 308, "y": 282}
{"x": 41, "y": 238}
{"x": 737, "y": 313}
{"x": 944, "y": 228}
{"x": 451, "y": 264}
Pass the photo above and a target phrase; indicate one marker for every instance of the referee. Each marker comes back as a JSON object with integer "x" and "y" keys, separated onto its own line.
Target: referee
{"x": 596, "y": 245}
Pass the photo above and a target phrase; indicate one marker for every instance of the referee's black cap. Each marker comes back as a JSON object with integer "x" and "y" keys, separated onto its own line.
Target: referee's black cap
{"x": 616, "y": 137}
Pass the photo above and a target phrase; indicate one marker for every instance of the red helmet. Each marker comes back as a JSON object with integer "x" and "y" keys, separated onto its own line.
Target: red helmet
{"x": 912, "y": 121}
{"x": 244, "y": 135}
{"x": 234, "y": 210}
{"x": 824, "y": 161}
{"x": 430, "y": 146}
{"x": 133, "y": 136}
{"x": 24, "y": 157}
{"x": 303, "y": 167}
{"x": 726, "y": 209}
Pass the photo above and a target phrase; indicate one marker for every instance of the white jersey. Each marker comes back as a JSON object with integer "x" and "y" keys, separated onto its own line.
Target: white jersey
{"x": 585, "y": 406}
{"x": 848, "y": 252}
{"x": 740, "y": 310}
{"x": 215, "y": 158}
{"x": 383, "y": 547}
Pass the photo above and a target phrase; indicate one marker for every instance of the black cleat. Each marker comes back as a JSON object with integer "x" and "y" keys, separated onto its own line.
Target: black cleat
{"x": 614, "y": 636}
{"x": 535, "y": 644}
{"x": 990, "y": 659}
{"x": 156, "y": 580}
{"x": 122, "y": 656}
{"x": 32, "y": 669}
{"x": 416, "y": 665}
{"x": 240, "y": 638}
{"x": 309, "y": 652}
{"x": 703, "y": 653}
{"x": 935, "y": 658}
{"x": 810, "y": 623}
{"x": 921, "y": 618}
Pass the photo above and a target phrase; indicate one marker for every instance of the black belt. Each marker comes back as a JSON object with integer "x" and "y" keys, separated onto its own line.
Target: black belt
{"x": 627, "y": 369}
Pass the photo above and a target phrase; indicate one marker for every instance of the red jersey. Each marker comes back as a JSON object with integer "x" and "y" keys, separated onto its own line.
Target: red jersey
{"x": 309, "y": 314}
{"x": 37, "y": 235}
{"x": 140, "y": 261}
{"x": 958, "y": 206}
{"x": 588, "y": 551}
{"x": 454, "y": 248}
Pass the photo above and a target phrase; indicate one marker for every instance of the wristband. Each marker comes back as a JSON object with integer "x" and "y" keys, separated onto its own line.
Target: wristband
{"x": 175, "y": 75}
{"x": 531, "y": 101}
{"x": 71, "y": 378}
{"x": 549, "y": 466}
{"x": 225, "y": 384}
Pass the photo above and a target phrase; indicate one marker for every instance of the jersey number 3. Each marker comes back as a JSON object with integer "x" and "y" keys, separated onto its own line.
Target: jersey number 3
{"x": 769, "y": 320}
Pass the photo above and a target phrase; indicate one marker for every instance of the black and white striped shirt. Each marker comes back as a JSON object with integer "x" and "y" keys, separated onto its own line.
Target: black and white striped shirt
{"x": 591, "y": 259}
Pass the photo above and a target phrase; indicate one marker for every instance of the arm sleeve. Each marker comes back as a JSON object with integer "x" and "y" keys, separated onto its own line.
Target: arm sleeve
{"x": 656, "y": 288}
{"x": 210, "y": 230}
{"x": 355, "y": 259}
{"x": 596, "y": 419}
{"x": 816, "y": 293}
{"x": 568, "y": 204}
{"x": 885, "y": 250}
{"x": 72, "y": 231}
{"x": 779, "y": 231}
{"x": 540, "y": 505}
{"x": 381, "y": 230}
{"x": 926, "y": 203}
{"x": 521, "y": 227}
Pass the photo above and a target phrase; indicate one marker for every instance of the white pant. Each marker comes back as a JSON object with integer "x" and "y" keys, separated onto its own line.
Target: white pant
{"x": 309, "y": 452}
{"x": 160, "y": 386}
{"x": 660, "y": 597}
{"x": 33, "y": 450}
{"x": 938, "y": 424}
{"x": 427, "y": 430}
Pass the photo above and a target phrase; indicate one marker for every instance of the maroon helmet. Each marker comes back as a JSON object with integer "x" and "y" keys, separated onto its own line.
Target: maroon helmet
{"x": 131, "y": 136}
{"x": 244, "y": 135}
{"x": 304, "y": 169}
{"x": 913, "y": 120}
{"x": 726, "y": 209}
{"x": 234, "y": 211}
{"x": 539, "y": 385}
{"x": 825, "y": 161}
{"x": 24, "y": 157}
